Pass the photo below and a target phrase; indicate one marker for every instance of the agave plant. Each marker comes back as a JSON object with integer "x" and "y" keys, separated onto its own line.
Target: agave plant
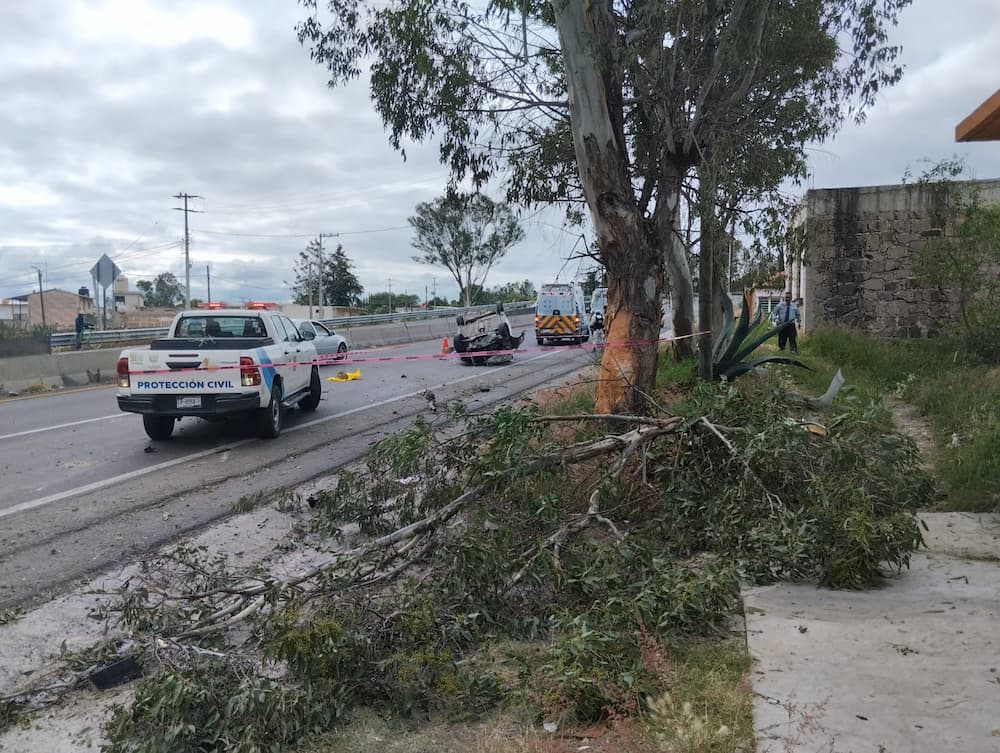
{"x": 732, "y": 349}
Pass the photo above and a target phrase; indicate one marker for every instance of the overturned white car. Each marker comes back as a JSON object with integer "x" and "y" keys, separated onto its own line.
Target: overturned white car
{"x": 485, "y": 338}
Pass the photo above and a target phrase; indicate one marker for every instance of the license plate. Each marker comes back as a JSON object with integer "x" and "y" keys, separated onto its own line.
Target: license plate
{"x": 189, "y": 402}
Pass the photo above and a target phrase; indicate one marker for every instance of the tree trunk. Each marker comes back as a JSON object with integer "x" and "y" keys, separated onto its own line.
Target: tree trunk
{"x": 633, "y": 316}
{"x": 681, "y": 295}
{"x": 628, "y": 248}
{"x": 707, "y": 284}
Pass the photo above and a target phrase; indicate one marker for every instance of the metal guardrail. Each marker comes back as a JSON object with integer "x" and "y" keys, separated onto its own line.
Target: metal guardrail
{"x": 68, "y": 339}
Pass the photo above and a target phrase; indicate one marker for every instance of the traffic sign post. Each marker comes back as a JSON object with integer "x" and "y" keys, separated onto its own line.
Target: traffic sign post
{"x": 104, "y": 273}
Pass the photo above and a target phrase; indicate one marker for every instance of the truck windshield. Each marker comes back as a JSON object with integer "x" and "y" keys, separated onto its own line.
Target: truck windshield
{"x": 220, "y": 326}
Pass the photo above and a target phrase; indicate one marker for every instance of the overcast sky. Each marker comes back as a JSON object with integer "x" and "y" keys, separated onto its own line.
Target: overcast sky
{"x": 111, "y": 107}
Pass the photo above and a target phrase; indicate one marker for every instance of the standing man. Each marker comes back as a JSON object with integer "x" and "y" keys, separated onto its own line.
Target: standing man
{"x": 786, "y": 316}
{"x": 79, "y": 330}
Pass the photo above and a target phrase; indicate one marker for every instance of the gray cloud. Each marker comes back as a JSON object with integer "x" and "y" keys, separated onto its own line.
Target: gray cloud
{"x": 112, "y": 107}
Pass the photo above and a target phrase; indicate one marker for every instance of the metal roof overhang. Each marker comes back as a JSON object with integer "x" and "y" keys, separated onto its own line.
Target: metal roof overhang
{"x": 983, "y": 124}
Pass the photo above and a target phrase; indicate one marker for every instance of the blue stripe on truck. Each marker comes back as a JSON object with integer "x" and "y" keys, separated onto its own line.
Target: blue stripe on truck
{"x": 267, "y": 368}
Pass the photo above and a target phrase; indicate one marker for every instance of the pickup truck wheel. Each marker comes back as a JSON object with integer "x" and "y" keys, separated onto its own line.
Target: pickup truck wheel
{"x": 158, "y": 427}
{"x": 269, "y": 418}
{"x": 311, "y": 401}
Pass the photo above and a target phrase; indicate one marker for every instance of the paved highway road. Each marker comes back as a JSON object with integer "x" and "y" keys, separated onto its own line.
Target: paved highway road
{"x": 83, "y": 487}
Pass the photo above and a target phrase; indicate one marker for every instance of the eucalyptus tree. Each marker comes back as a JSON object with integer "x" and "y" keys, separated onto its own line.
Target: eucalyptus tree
{"x": 606, "y": 105}
{"x": 467, "y": 234}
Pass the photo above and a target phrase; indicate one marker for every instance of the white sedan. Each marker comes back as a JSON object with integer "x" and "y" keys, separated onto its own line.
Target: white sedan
{"x": 329, "y": 345}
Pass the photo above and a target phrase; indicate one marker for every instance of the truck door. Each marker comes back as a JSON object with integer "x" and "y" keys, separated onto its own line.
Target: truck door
{"x": 293, "y": 373}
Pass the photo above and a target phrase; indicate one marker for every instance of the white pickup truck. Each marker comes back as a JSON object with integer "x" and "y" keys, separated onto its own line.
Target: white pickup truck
{"x": 216, "y": 363}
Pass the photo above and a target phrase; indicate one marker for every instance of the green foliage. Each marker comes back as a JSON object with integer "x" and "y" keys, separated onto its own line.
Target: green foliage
{"x": 671, "y": 374}
{"x": 958, "y": 395}
{"x": 732, "y": 350}
{"x": 590, "y": 670}
{"x": 217, "y": 706}
{"x": 781, "y": 76}
{"x": 386, "y": 302}
{"x": 341, "y": 286}
{"x": 784, "y": 504}
{"x": 965, "y": 256}
{"x": 506, "y": 293}
{"x": 434, "y": 623}
{"x": 392, "y": 500}
{"x": 467, "y": 234}
{"x": 164, "y": 291}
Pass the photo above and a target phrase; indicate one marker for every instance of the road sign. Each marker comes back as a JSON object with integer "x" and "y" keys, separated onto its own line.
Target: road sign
{"x": 105, "y": 271}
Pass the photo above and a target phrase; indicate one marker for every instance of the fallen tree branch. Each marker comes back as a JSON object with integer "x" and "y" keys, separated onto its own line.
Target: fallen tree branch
{"x": 241, "y": 602}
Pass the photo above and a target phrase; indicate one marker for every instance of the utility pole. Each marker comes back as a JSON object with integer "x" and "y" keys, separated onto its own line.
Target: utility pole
{"x": 41, "y": 293}
{"x": 322, "y": 301}
{"x": 208, "y": 279}
{"x": 389, "y": 280}
{"x": 187, "y": 243}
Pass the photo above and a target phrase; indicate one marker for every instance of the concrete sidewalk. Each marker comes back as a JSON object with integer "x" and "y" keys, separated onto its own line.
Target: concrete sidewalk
{"x": 913, "y": 667}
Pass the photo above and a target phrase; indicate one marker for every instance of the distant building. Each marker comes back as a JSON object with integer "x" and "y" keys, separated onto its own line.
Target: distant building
{"x": 61, "y": 307}
{"x": 126, "y": 300}
{"x": 14, "y": 312}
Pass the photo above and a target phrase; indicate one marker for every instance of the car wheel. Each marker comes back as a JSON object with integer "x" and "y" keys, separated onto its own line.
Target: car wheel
{"x": 460, "y": 320}
{"x": 269, "y": 418}
{"x": 311, "y": 401}
{"x": 158, "y": 427}
{"x": 480, "y": 360}
{"x": 540, "y": 340}
{"x": 341, "y": 350}
{"x": 499, "y": 309}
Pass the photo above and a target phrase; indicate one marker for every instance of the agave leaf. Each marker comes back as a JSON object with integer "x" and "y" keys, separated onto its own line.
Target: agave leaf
{"x": 755, "y": 343}
{"x": 826, "y": 399}
{"x": 727, "y": 330}
{"x": 739, "y": 335}
{"x": 739, "y": 368}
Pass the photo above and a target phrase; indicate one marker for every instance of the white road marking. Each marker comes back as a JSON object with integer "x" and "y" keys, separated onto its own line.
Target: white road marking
{"x": 380, "y": 403}
{"x": 42, "y": 501}
{"x": 61, "y": 426}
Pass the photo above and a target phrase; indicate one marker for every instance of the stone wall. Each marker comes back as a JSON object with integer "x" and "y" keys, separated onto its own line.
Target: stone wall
{"x": 860, "y": 245}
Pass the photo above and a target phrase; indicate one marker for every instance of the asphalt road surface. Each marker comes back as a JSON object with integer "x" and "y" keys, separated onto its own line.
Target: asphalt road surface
{"x": 83, "y": 488}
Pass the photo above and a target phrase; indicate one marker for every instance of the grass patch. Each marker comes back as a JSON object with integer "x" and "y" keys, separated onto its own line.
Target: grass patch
{"x": 709, "y": 706}
{"x": 706, "y": 707}
{"x": 958, "y": 394}
{"x": 675, "y": 375}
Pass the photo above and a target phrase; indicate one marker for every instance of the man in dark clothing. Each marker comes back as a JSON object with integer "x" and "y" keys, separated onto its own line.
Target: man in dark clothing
{"x": 786, "y": 316}
{"x": 80, "y": 324}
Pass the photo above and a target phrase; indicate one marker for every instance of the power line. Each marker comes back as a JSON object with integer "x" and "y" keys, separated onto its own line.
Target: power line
{"x": 309, "y": 199}
{"x": 26, "y": 277}
{"x": 303, "y": 235}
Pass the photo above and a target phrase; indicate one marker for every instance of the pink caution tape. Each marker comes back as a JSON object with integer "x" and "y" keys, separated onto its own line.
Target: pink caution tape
{"x": 350, "y": 358}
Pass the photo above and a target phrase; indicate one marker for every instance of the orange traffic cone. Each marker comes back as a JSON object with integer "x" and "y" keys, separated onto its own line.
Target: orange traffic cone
{"x": 445, "y": 347}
